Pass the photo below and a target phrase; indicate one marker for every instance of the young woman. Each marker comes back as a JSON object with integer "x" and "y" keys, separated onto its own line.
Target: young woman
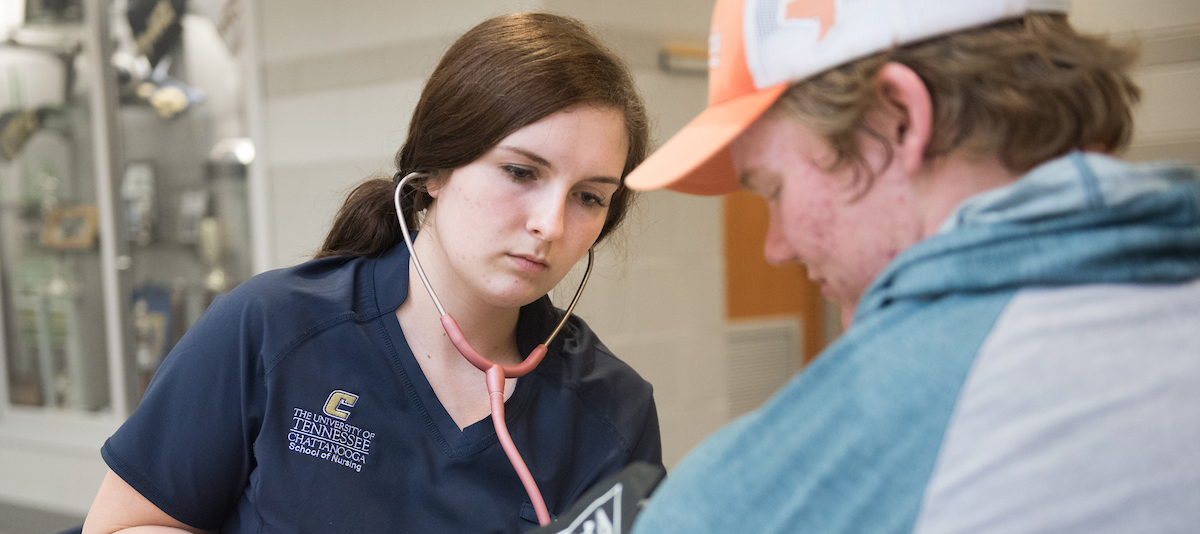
{"x": 327, "y": 397}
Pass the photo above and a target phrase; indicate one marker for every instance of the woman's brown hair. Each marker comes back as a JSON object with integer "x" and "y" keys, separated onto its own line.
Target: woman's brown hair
{"x": 504, "y": 74}
{"x": 1025, "y": 91}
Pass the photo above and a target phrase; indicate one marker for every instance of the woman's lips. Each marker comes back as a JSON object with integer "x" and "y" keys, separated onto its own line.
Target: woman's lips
{"x": 529, "y": 264}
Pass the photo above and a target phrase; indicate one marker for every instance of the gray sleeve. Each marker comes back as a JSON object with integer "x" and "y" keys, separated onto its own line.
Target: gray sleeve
{"x": 1081, "y": 414}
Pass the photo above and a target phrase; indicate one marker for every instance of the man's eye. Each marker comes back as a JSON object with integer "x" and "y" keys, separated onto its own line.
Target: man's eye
{"x": 518, "y": 173}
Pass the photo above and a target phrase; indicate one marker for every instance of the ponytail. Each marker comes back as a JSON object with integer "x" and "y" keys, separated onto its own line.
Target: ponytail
{"x": 366, "y": 224}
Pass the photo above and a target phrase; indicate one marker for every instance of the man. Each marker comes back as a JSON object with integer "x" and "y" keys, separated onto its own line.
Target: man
{"x": 1023, "y": 310}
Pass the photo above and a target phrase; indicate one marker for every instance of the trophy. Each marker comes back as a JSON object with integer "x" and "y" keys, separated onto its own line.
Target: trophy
{"x": 137, "y": 189}
{"x": 211, "y": 237}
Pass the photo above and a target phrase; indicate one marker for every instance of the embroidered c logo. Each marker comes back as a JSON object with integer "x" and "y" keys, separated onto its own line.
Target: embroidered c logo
{"x": 337, "y": 399}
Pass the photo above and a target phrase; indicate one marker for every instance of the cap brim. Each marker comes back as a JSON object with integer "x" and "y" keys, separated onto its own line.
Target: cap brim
{"x": 696, "y": 159}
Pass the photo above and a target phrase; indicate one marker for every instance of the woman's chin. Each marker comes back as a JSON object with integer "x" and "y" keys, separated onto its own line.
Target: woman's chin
{"x": 523, "y": 296}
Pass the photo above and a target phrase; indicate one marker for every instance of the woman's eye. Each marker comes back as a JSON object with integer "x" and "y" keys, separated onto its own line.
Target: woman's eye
{"x": 518, "y": 173}
{"x": 592, "y": 199}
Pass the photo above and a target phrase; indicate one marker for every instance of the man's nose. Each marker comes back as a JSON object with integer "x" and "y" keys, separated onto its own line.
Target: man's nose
{"x": 776, "y": 247}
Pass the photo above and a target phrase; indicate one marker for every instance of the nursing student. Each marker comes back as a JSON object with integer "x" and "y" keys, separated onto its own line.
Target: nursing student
{"x": 327, "y": 397}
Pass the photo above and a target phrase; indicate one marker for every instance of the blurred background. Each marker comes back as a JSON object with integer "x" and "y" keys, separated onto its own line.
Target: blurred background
{"x": 155, "y": 153}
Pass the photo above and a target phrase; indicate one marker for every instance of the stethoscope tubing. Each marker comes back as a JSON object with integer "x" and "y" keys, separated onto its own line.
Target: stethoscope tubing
{"x": 494, "y": 373}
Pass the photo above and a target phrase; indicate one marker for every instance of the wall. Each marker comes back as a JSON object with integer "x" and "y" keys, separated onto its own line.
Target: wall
{"x": 1168, "y": 32}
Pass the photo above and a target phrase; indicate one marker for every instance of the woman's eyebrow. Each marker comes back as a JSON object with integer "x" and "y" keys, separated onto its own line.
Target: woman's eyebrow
{"x": 534, "y": 157}
{"x": 605, "y": 180}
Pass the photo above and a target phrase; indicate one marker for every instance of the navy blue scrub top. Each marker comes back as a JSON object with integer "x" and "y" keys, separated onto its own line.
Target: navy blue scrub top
{"x": 295, "y": 405}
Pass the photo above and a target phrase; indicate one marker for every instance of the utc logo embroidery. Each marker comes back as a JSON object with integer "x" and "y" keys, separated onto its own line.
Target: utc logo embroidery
{"x": 326, "y": 435}
{"x": 337, "y": 399}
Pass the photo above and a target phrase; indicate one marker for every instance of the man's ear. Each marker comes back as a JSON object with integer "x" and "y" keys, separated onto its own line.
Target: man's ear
{"x": 907, "y": 114}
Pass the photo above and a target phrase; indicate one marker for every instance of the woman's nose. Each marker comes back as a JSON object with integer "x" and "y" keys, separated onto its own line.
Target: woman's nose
{"x": 546, "y": 216}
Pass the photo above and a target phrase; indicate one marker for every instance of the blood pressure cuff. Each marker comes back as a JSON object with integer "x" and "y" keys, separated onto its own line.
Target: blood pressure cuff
{"x": 611, "y": 505}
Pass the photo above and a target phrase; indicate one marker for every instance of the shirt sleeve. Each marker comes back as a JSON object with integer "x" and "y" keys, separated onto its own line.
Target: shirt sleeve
{"x": 648, "y": 445}
{"x": 188, "y": 448}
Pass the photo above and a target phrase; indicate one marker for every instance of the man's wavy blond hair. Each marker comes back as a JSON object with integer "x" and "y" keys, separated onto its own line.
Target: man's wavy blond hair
{"x": 1024, "y": 91}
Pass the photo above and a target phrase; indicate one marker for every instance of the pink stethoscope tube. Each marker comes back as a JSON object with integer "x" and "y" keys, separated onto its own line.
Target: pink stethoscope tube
{"x": 494, "y": 373}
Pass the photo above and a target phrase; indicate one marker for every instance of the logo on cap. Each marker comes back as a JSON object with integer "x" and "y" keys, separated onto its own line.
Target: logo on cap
{"x": 823, "y": 11}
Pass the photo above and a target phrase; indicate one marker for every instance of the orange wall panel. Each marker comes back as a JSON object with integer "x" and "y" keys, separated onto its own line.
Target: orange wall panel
{"x": 755, "y": 288}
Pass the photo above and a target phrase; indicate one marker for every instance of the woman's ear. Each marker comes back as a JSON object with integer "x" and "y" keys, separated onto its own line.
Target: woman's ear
{"x": 906, "y": 120}
{"x": 433, "y": 184}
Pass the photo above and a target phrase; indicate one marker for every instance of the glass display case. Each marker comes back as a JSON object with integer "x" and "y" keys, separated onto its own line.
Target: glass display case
{"x": 124, "y": 158}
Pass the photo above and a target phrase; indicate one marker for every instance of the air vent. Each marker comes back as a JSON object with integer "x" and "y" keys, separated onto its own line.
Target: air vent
{"x": 762, "y": 356}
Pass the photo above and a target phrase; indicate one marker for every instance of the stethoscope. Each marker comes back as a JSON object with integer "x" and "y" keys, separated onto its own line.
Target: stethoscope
{"x": 494, "y": 373}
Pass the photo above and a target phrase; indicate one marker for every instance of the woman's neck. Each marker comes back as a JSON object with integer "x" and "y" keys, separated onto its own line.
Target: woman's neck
{"x": 491, "y": 330}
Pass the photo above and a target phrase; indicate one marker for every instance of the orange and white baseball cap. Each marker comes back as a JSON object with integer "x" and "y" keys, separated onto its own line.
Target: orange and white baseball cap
{"x": 757, "y": 48}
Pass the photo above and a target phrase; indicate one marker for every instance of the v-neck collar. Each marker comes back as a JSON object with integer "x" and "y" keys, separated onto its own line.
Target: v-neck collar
{"x": 390, "y": 280}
